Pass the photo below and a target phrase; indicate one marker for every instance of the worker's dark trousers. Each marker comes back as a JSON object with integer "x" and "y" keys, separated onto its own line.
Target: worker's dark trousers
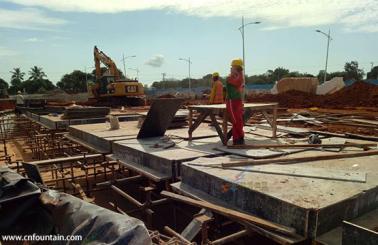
{"x": 235, "y": 113}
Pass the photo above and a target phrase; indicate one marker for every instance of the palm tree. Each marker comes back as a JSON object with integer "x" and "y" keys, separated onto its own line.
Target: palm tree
{"x": 17, "y": 74}
{"x": 36, "y": 73}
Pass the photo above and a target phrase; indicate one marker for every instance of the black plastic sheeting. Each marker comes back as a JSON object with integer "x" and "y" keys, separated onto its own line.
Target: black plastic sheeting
{"x": 96, "y": 225}
{"x": 17, "y": 196}
{"x": 25, "y": 211}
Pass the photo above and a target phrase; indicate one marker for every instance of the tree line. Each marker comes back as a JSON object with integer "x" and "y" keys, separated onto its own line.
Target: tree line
{"x": 76, "y": 81}
{"x": 37, "y": 81}
{"x": 351, "y": 72}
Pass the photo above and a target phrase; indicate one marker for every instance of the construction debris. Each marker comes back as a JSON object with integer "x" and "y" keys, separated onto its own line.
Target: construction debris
{"x": 279, "y": 187}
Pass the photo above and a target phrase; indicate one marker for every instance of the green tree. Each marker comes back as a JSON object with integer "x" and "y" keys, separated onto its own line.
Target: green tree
{"x": 37, "y": 81}
{"x": 38, "y": 86}
{"x": 3, "y": 84}
{"x": 279, "y": 73}
{"x": 75, "y": 82}
{"x": 352, "y": 71}
{"x": 16, "y": 80}
{"x": 373, "y": 74}
{"x": 3, "y": 88}
{"x": 36, "y": 73}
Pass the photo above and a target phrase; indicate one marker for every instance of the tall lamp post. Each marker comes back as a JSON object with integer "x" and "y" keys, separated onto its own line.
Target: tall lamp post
{"x": 137, "y": 72}
{"x": 189, "y": 63}
{"x": 329, "y": 38}
{"x": 124, "y": 62}
{"x": 241, "y": 29}
{"x": 86, "y": 75}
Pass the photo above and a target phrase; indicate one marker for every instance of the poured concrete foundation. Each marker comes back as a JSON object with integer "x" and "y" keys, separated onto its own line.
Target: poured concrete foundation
{"x": 99, "y": 136}
{"x": 312, "y": 205}
{"x": 161, "y": 156}
{"x": 57, "y": 122}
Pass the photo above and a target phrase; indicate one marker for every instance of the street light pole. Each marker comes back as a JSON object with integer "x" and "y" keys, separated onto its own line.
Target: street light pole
{"x": 241, "y": 29}
{"x": 189, "y": 63}
{"x": 190, "y": 82}
{"x": 86, "y": 75}
{"x": 163, "y": 74}
{"x": 329, "y": 38}
{"x": 124, "y": 61}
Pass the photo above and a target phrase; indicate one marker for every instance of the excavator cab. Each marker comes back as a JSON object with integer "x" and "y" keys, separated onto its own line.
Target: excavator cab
{"x": 110, "y": 89}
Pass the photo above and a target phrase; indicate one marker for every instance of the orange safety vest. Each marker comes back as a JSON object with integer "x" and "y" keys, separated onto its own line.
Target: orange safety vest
{"x": 216, "y": 96}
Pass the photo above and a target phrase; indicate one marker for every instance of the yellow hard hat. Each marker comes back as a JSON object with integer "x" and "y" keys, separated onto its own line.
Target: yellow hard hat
{"x": 215, "y": 74}
{"x": 237, "y": 62}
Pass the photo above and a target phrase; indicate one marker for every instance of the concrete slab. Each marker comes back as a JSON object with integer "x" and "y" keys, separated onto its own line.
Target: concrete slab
{"x": 312, "y": 206}
{"x": 260, "y": 153}
{"x": 101, "y": 137}
{"x": 57, "y": 122}
{"x": 159, "y": 155}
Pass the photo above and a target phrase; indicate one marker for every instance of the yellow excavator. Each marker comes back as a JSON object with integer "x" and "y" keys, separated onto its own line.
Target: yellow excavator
{"x": 109, "y": 89}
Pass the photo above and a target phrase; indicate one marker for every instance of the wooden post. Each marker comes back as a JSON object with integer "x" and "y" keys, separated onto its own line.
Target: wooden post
{"x": 190, "y": 123}
{"x": 224, "y": 124}
{"x": 274, "y": 121}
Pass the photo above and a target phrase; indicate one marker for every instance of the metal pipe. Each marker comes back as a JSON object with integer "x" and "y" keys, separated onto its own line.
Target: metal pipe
{"x": 127, "y": 196}
{"x": 175, "y": 234}
{"x": 230, "y": 238}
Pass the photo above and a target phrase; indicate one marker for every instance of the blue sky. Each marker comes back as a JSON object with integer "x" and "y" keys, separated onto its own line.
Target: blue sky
{"x": 59, "y": 35}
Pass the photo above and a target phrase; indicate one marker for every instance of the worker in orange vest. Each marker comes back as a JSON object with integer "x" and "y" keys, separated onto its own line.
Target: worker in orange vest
{"x": 216, "y": 95}
{"x": 234, "y": 102}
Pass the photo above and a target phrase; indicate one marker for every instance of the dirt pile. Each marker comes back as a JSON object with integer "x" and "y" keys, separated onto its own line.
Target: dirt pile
{"x": 358, "y": 94}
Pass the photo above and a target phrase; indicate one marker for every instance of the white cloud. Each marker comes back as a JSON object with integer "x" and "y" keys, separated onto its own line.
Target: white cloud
{"x": 361, "y": 14}
{"x": 4, "y": 51}
{"x": 33, "y": 40}
{"x": 155, "y": 61}
{"x": 28, "y": 18}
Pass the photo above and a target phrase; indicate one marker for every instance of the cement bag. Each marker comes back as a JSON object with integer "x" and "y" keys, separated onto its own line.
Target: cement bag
{"x": 303, "y": 84}
{"x": 330, "y": 86}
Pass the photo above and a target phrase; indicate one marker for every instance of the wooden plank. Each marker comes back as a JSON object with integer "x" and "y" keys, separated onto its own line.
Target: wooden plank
{"x": 231, "y": 238}
{"x": 308, "y": 172}
{"x": 365, "y": 121}
{"x": 328, "y": 134}
{"x": 299, "y": 159}
{"x": 364, "y": 146}
{"x": 231, "y": 213}
{"x": 362, "y": 137}
{"x": 177, "y": 235}
{"x": 64, "y": 159}
{"x": 198, "y": 121}
{"x": 225, "y": 124}
{"x": 277, "y": 237}
{"x": 192, "y": 229}
{"x": 218, "y": 129}
{"x": 190, "y": 123}
{"x": 255, "y": 106}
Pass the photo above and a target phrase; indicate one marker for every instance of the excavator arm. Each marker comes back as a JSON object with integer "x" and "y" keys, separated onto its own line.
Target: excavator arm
{"x": 101, "y": 57}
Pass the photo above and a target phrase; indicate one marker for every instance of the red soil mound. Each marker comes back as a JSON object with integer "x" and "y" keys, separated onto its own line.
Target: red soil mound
{"x": 358, "y": 94}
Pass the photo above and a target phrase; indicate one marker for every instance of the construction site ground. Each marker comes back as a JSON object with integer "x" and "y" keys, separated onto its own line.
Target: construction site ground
{"x": 116, "y": 170}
